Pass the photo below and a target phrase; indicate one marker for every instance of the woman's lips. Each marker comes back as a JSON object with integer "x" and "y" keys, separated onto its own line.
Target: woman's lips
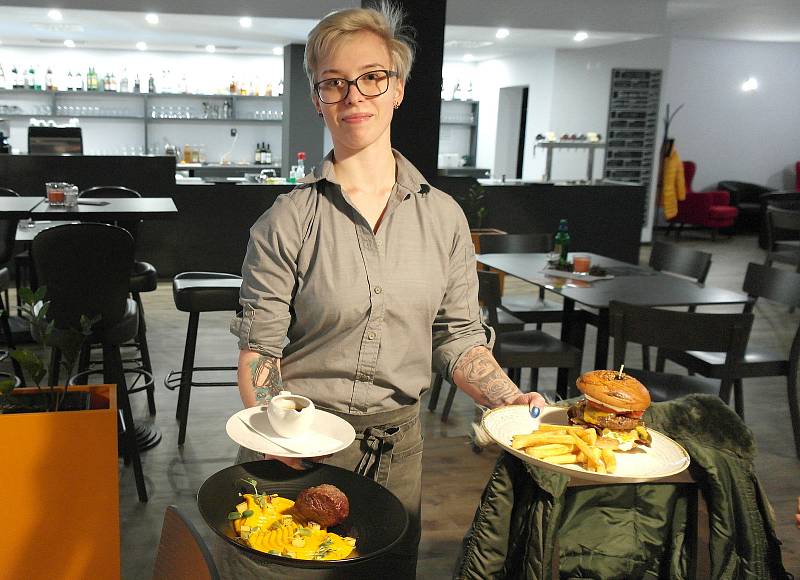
{"x": 356, "y": 118}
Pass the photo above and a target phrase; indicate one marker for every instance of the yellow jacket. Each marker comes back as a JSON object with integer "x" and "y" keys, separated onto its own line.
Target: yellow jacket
{"x": 673, "y": 184}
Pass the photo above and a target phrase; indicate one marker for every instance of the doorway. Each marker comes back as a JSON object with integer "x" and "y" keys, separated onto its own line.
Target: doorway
{"x": 512, "y": 115}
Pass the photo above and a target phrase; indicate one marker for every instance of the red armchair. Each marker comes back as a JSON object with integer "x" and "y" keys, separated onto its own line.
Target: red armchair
{"x": 708, "y": 209}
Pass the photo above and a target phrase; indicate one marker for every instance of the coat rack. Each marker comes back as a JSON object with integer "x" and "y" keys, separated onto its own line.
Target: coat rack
{"x": 666, "y": 146}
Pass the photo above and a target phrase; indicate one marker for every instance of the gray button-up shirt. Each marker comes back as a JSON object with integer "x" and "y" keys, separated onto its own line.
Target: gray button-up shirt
{"x": 366, "y": 314}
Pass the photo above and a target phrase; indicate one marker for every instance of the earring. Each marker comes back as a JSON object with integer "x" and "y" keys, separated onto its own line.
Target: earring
{"x": 319, "y": 113}
{"x": 396, "y": 106}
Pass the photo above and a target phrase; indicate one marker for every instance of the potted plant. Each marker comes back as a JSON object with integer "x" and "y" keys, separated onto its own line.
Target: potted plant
{"x": 474, "y": 206}
{"x": 75, "y": 515}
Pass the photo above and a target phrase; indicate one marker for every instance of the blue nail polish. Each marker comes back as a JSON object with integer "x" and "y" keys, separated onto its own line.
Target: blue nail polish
{"x": 306, "y": 464}
{"x": 535, "y": 412}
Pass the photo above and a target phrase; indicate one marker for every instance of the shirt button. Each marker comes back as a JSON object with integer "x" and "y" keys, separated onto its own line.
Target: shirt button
{"x": 380, "y": 243}
{"x": 371, "y": 335}
{"x": 378, "y": 289}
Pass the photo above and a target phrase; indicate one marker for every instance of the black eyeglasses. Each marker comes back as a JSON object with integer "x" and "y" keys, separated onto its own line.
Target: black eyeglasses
{"x": 370, "y": 84}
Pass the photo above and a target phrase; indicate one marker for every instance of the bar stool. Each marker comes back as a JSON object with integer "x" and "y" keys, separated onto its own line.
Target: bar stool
{"x": 86, "y": 269}
{"x": 196, "y": 292}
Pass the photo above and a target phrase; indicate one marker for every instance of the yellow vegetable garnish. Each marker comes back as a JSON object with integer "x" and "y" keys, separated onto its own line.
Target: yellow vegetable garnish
{"x": 274, "y": 532}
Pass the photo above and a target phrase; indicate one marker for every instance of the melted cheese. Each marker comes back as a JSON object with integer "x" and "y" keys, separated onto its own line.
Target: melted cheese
{"x": 272, "y": 531}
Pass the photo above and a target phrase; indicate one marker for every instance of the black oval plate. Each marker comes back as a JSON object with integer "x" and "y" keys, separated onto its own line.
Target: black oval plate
{"x": 377, "y": 519}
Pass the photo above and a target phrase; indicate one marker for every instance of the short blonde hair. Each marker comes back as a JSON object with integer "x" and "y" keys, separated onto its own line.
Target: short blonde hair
{"x": 385, "y": 20}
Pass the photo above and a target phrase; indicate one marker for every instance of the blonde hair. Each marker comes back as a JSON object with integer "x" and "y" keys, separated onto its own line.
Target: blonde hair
{"x": 385, "y": 20}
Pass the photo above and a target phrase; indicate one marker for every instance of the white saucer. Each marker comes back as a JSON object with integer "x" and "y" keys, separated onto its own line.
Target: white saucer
{"x": 327, "y": 435}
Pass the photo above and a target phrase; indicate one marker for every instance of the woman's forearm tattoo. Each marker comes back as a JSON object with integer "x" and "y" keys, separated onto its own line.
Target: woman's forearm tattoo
{"x": 266, "y": 377}
{"x": 481, "y": 370}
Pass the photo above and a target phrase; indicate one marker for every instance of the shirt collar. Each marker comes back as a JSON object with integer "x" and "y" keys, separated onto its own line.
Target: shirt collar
{"x": 408, "y": 177}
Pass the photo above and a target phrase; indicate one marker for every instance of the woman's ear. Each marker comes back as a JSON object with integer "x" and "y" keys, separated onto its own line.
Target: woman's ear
{"x": 399, "y": 91}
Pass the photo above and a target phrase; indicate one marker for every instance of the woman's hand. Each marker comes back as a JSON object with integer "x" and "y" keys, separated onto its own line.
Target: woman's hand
{"x": 534, "y": 401}
{"x": 297, "y": 463}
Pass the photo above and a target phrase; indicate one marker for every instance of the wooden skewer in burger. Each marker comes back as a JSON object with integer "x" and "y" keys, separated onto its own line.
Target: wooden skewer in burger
{"x": 613, "y": 405}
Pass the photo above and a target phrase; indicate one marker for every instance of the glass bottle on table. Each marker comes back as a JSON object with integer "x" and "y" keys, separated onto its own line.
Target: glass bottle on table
{"x": 561, "y": 243}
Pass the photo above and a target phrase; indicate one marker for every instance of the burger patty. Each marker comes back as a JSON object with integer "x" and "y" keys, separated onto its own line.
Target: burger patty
{"x": 615, "y": 422}
{"x": 325, "y": 504}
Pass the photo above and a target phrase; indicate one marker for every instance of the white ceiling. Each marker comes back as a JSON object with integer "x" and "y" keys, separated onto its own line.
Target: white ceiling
{"x": 759, "y": 20}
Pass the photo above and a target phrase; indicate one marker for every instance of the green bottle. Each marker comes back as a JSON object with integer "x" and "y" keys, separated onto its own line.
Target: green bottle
{"x": 561, "y": 243}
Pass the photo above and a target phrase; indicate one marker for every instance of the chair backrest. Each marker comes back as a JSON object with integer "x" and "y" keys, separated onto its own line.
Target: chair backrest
{"x": 182, "y": 553}
{"x": 782, "y": 224}
{"x": 86, "y": 269}
{"x": 681, "y": 331}
{"x": 115, "y": 191}
{"x": 689, "y": 169}
{"x": 773, "y": 284}
{"x": 489, "y": 295}
{"x": 8, "y": 231}
{"x": 511, "y": 243}
{"x": 677, "y": 259}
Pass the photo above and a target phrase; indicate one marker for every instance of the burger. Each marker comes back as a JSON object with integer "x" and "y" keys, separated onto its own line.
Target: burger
{"x": 613, "y": 405}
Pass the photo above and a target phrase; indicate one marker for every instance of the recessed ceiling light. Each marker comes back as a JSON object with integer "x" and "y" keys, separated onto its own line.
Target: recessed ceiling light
{"x": 55, "y": 15}
{"x": 277, "y": 51}
{"x": 152, "y": 18}
{"x": 469, "y": 57}
{"x": 245, "y": 22}
{"x": 502, "y": 33}
{"x": 211, "y": 48}
{"x": 69, "y": 43}
{"x": 750, "y": 85}
{"x": 141, "y": 45}
{"x": 580, "y": 36}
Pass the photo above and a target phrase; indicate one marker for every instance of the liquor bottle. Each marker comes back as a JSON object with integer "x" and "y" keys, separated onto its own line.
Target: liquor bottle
{"x": 48, "y": 80}
{"x": 456, "y": 92}
{"x": 70, "y": 82}
{"x": 35, "y": 84}
{"x": 27, "y": 81}
{"x": 268, "y": 90}
{"x": 77, "y": 83}
{"x": 280, "y": 88}
{"x": 137, "y": 85}
{"x": 257, "y": 155}
{"x": 267, "y": 155}
{"x": 561, "y": 243}
{"x": 123, "y": 81}
{"x": 114, "y": 86}
{"x": 2, "y": 77}
{"x": 16, "y": 78}
{"x": 91, "y": 80}
{"x": 151, "y": 84}
{"x": 232, "y": 89}
{"x": 301, "y": 169}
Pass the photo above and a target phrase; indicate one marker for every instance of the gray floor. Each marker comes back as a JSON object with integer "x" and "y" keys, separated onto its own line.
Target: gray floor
{"x": 454, "y": 476}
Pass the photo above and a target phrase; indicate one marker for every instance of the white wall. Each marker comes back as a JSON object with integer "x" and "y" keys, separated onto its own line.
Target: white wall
{"x": 733, "y": 135}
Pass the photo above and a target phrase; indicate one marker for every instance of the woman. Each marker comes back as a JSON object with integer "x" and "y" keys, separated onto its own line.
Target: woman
{"x": 368, "y": 271}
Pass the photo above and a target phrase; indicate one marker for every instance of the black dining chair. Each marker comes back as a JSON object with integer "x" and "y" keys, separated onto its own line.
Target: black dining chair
{"x": 783, "y": 287}
{"x": 520, "y": 349}
{"x": 672, "y": 330}
{"x": 182, "y": 552}
{"x": 86, "y": 270}
{"x": 679, "y": 260}
{"x": 8, "y": 232}
{"x": 144, "y": 278}
{"x": 783, "y": 237}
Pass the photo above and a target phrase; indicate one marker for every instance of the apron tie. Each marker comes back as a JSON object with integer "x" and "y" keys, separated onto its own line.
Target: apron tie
{"x": 380, "y": 444}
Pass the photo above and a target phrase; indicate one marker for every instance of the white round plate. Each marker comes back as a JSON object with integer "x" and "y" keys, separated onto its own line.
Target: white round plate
{"x": 663, "y": 458}
{"x": 328, "y": 434}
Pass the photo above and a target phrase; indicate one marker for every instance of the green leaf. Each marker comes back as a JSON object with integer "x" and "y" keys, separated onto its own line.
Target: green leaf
{"x": 27, "y": 296}
{"x": 234, "y": 516}
{"x": 41, "y": 292}
{"x": 6, "y": 386}
{"x": 247, "y": 513}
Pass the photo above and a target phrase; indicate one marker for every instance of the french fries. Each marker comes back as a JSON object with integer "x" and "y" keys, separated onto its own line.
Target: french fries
{"x": 568, "y": 444}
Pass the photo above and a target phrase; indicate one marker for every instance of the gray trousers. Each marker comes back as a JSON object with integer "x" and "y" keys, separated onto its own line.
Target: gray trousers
{"x": 388, "y": 449}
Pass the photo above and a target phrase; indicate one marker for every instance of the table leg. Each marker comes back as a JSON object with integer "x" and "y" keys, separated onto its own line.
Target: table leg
{"x": 570, "y": 336}
{"x": 601, "y": 349}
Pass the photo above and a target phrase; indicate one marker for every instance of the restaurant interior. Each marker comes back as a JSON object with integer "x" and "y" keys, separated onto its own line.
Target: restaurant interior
{"x": 661, "y": 136}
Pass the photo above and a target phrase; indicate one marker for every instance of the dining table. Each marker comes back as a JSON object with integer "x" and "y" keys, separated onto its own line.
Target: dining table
{"x": 13, "y": 207}
{"x": 620, "y": 282}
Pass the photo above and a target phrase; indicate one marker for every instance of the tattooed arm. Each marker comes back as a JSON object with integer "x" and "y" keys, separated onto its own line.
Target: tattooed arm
{"x": 259, "y": 377}
{"x": 478, "y": 374}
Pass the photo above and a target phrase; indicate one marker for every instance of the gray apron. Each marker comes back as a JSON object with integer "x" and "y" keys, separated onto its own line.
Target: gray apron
{"x": 388, "y": 450}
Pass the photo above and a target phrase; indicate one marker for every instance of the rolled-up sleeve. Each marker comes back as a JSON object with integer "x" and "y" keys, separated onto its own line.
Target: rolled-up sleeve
{"x": 458, "y": 327}
{"x": 269, "y": 275}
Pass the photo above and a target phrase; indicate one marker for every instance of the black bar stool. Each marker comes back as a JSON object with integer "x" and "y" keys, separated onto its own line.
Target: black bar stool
{"x": 196, "y": 292}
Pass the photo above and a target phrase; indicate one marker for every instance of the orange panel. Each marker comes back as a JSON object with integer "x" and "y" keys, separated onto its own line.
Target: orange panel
{"x": 59, "y": 474}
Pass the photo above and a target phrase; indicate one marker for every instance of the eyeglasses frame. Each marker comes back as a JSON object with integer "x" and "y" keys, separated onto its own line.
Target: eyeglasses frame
{"x": 354, "y": 83}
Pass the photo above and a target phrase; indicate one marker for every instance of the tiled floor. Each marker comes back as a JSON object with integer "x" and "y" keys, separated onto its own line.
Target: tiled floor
{"x": 454, "y": 476}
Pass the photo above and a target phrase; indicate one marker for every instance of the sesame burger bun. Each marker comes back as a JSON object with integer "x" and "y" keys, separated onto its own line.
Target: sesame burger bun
{"x": 606, "y": 387}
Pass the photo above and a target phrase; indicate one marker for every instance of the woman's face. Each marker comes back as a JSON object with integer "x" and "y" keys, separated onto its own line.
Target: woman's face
{"x": 358, "y": 122}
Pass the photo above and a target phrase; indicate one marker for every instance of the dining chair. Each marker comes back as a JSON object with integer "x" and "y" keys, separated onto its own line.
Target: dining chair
{"x": 783, "y": 236}
{"x": 144, "y": 278}
{"x": 674, "y": 330}
{"x": 86, "y": 268}
{"x": 520, "y": 349}
{"x": 182, "y": 554}
{"x": 679, "y": 260}
{"x": 782, "y": 286}
{"x": 8, "y": 232}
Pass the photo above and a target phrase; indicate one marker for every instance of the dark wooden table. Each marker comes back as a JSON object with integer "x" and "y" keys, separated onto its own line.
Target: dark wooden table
{"x": 633, "y": 284}
{"x": 18, "y": 207}
{"x": 111, "y": 209}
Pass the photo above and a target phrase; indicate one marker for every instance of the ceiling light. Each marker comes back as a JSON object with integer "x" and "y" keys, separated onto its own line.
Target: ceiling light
{"x": 211, "y": 48}
{"x": 141, "y": 45}
{"x": 580, "y": 36}
{"x": 750, "y": 85}
{"x": 245, "y": 22}
{"x": 55, "y": 14}
{"x": 502, "y": 33}
{"x": 69, "y": 43}
{"x": 277, "y": 51}
{"x": 469, "y": 57}
{"x": 152, "y": 18}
